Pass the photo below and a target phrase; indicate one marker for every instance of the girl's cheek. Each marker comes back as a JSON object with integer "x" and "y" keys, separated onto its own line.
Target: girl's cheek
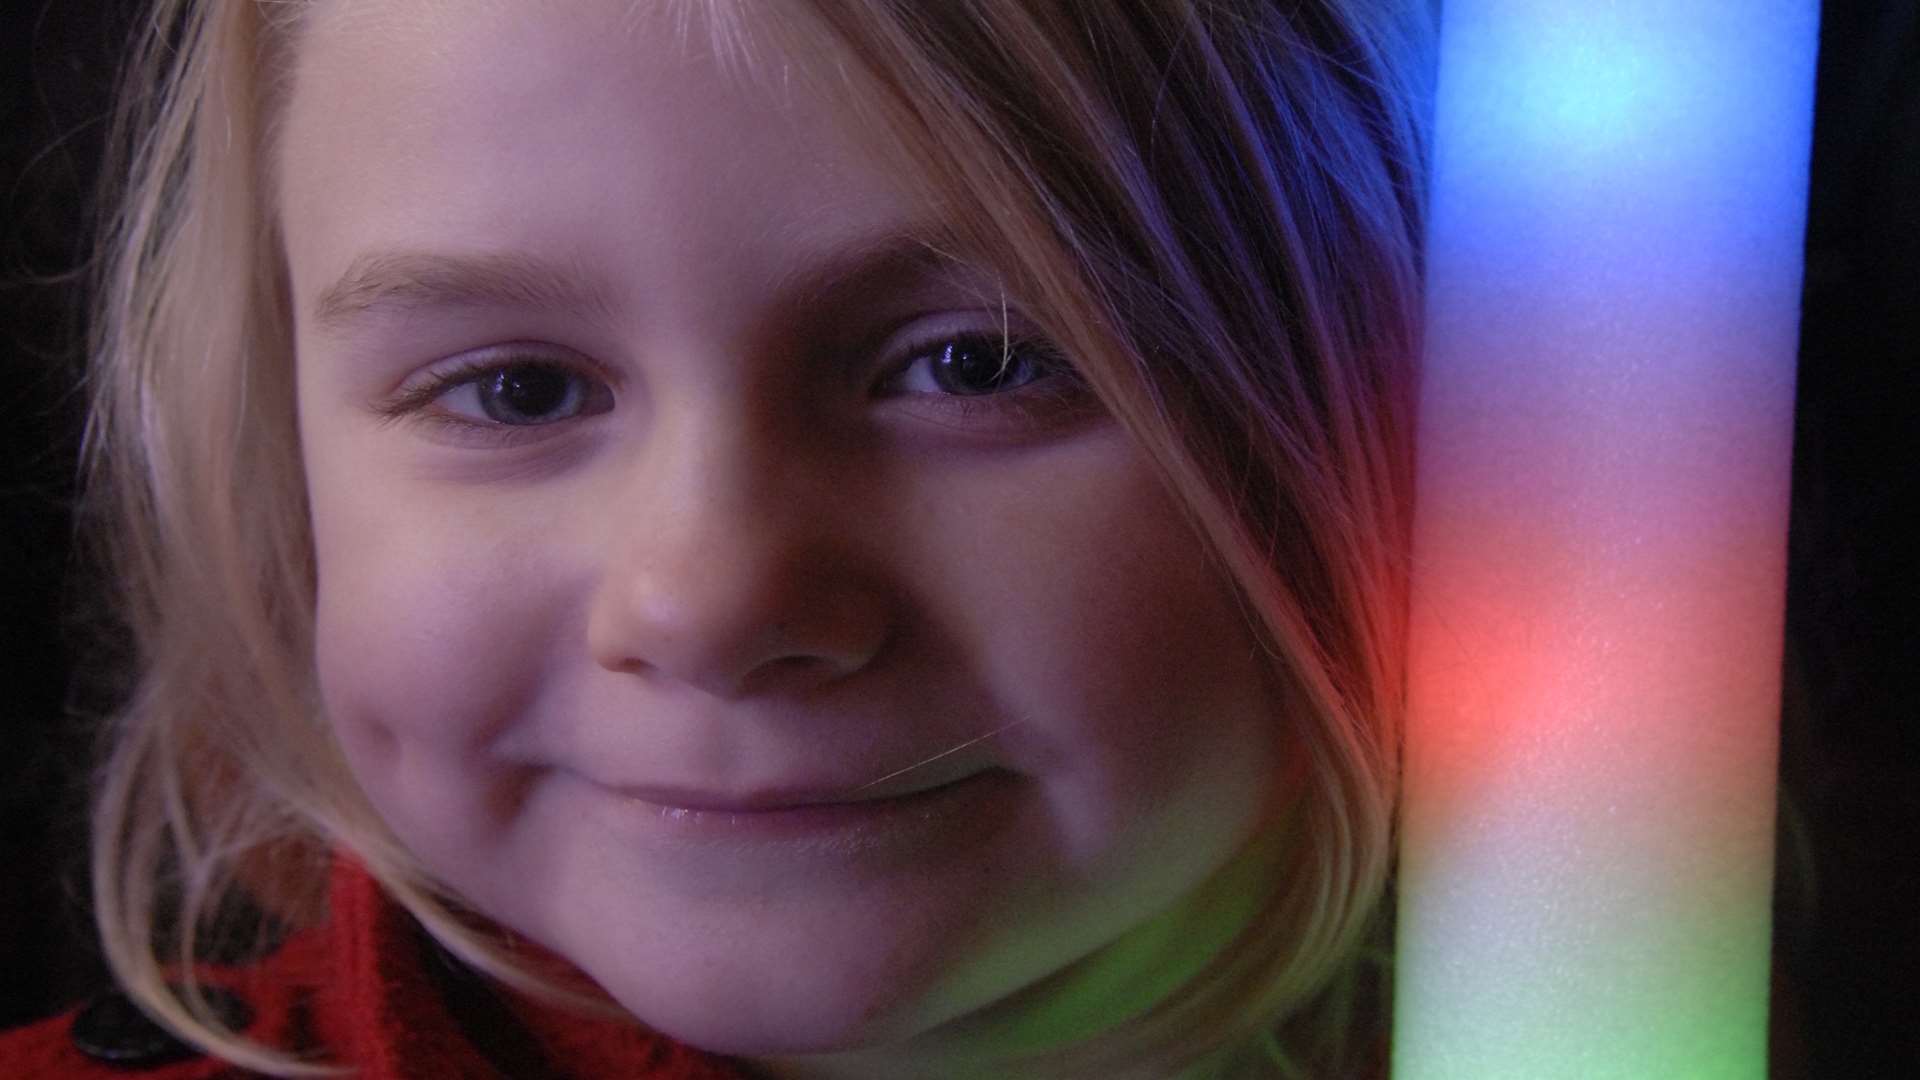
{"x": 428, "y": 654}
{"x": 434, "y": 640}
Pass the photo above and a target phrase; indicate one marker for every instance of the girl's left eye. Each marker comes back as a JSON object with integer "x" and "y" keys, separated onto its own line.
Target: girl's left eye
{"x": 975, "y": 364}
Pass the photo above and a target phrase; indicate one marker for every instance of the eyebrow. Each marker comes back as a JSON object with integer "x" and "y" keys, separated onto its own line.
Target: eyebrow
{"x": 412, "y": 280}
{"x": 418, "y": 280}
{"x": 890, "y": 258}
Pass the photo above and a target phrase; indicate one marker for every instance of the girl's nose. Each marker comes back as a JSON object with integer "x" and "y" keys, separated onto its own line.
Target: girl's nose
{"x": 736, "y": 581}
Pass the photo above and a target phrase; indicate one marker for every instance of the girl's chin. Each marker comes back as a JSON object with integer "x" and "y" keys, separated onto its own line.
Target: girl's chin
{"x": 765, "y": 1023}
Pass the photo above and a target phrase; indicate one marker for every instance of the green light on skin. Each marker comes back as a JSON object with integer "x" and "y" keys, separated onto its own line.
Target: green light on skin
{"x": 1127, "y": 978}
{"x": 1147, "y": 965}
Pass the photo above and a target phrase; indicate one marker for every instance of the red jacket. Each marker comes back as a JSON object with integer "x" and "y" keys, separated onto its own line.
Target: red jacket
{"x": 371, "y": 991}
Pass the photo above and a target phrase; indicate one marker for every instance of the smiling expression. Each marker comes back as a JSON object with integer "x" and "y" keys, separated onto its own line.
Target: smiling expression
{"x": 713, "y": 585}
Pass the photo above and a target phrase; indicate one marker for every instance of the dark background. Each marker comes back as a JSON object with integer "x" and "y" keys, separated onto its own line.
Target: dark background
{"x": 1847, "y": 905}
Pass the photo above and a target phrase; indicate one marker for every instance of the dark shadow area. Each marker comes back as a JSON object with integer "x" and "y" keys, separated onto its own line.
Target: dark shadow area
{"x": 56, "y": 69}
{"x": 1848, "y": 934}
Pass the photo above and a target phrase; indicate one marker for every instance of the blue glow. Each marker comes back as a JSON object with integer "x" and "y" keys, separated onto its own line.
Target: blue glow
{"x": 1610, "y": 151}
{"x": 1589, "y": 93}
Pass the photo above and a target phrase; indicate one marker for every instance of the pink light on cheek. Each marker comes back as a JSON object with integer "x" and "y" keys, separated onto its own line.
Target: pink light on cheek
{"x": 1600, "y": 549}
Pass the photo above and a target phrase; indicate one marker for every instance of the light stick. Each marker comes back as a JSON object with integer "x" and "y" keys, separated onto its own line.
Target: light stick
{"x": 1618, "y": 205}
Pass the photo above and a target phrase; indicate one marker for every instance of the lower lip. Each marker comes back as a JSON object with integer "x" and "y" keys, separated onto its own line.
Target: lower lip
{"x": 848, "y": 827}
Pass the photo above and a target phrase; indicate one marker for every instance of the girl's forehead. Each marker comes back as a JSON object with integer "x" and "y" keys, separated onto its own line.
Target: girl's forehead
{"x": 765, "y": 46}
{"x": 410, "y": 77}
{"x": 579, "y": 133}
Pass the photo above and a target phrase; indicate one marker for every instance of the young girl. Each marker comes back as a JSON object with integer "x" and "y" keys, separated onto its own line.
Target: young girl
{"x": 845, "y": 539}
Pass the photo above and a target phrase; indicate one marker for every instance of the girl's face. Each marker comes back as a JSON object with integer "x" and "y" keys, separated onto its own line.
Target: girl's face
{"x": 680, "y": 534}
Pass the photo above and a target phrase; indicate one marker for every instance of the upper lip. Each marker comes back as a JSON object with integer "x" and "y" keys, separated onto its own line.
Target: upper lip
{"x": 786, "y": 796}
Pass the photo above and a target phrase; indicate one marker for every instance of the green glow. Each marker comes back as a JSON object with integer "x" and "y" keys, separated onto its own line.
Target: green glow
{"x": 1151, "y": 962}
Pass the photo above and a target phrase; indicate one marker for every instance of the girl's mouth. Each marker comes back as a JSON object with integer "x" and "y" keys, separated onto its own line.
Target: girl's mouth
{"x": 852, "y": 817}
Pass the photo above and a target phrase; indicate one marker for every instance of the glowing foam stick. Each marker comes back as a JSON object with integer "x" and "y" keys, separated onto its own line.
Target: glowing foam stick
{"x": 1600, "y": 550}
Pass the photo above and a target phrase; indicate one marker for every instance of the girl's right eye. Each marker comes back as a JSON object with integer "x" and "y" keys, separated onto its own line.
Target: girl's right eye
{"x": 523, "y": 394}
{"x": 515, "y": 393}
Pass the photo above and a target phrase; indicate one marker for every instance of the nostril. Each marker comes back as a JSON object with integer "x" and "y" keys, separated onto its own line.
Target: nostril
{"x": 627, "y": 666}
{"x": 761, "y": 616}
{"x": 787, "y": 669}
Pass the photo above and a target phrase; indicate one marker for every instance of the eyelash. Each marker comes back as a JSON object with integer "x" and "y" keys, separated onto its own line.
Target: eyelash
{"x": 1058, "y": 387}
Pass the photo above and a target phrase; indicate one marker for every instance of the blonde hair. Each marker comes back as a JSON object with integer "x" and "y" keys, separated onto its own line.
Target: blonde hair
{"x": 1215, "y": 208}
